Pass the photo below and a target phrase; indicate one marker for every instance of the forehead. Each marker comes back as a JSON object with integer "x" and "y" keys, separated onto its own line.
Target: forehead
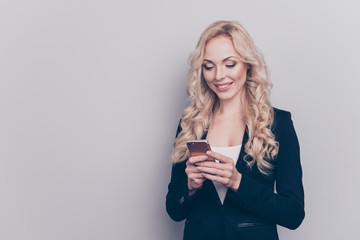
{"x": 219, "y": 48}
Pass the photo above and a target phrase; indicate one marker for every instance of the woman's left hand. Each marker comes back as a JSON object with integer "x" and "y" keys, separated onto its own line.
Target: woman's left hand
{"x": 223, "y": 171}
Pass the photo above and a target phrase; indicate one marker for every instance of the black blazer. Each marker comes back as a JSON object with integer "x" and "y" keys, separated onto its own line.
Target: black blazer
{"x": 253, "y": 211}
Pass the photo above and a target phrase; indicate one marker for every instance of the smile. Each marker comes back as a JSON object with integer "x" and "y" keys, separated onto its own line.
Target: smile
{"x": 223, "y": 87}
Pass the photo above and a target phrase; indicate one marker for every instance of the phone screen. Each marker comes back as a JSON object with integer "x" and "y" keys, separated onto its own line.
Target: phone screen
{"x": 198, "y": 147}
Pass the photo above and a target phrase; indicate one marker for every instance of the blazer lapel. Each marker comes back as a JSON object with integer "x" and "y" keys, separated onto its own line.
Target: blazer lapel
{"x": 240, "y": 161}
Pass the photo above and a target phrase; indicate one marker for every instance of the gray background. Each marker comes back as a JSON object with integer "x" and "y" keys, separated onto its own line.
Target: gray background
{"x": 91, "y": 93}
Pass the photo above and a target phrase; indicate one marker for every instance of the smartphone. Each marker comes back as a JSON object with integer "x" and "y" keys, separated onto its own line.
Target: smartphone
{"x": 198, "y": 147}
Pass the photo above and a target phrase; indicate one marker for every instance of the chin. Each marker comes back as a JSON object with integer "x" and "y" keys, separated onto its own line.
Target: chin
{"x": 224, "y": 97}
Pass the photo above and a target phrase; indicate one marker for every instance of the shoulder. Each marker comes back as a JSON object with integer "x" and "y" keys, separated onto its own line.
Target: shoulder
{"x": 281, "y": 117}
{"x": 280, "y": 114}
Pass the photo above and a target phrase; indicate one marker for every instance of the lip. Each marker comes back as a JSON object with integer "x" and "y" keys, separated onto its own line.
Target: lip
{"x": 223, "y": 89}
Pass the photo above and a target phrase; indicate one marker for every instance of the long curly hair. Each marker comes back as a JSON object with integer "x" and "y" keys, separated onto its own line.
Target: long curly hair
{"x": 195, "y": 120}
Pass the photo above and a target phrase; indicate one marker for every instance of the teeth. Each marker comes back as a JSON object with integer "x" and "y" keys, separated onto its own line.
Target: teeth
{"x": 223, "y": 86}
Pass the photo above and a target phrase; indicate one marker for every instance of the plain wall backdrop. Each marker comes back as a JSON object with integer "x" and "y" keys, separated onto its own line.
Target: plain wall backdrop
{"x": 91, "y": 93}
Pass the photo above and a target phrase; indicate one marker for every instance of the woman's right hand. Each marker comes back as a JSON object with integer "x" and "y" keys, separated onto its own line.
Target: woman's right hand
{"x": 195, "y": 177}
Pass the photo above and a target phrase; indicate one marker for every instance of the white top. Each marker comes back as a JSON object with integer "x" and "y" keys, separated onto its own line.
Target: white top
{"x": 233, "y": 153}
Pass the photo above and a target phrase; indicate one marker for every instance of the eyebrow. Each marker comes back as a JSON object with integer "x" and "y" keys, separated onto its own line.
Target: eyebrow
{"x": 225, "y": 59}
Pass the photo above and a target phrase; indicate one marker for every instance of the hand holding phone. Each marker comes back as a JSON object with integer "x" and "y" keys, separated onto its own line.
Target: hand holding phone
{"x": 196, "y": 178}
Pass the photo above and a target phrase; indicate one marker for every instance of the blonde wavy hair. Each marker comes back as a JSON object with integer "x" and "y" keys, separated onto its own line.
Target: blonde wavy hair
{"x": 195, "y": 120}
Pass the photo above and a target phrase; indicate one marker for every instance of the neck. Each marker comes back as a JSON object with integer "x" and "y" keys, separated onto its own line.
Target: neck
{"x": 230, "y": 108}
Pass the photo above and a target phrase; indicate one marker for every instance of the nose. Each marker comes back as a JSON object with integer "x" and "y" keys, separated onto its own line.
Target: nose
{"x": 220, "y": 74}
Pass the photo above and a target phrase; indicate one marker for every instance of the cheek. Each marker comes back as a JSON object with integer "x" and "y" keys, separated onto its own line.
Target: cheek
{"x": 208, "y": 83}
{"x": 239, "y": 74}
{"x": 208, "y": 76}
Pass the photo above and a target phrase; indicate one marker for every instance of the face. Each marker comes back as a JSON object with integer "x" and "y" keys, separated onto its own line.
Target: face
{"x": 223, "y": 71}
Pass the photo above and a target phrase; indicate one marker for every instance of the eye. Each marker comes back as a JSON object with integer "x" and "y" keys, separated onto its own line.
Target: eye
{"x": 230, "y": 65}
{"x": 208, "y": 67}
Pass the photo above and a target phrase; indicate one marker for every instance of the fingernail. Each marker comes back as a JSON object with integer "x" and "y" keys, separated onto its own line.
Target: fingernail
{"x": 205, "y": 157}
{"x": 199, "y": 168}
{"x": 207, "y": 152}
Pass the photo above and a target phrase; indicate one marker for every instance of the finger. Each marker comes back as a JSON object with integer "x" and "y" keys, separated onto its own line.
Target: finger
{"x": 216, "y": 178}
{"x": 191, "y": 173}
{"x": 219, "y": 157}
{"x": 196, "y": 159}
{"x": 214, "y": 171}
{"x": 211, "y": 164}
{"x": 227, "y": 167}
{"x": 192, "y": 169}
{"x": 195, "y": 176}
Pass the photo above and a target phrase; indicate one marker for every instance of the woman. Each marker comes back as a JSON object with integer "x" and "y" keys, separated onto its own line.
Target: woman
{"x": 255, "y": 144}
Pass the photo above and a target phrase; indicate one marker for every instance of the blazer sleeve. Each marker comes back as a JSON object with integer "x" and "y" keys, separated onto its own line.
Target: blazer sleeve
{"x": 286, "y": 206}
{"x": 178, "y": 201}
